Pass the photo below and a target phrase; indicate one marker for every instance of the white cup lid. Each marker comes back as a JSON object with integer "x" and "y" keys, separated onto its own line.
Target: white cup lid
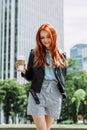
{"x": 21, "y": 57}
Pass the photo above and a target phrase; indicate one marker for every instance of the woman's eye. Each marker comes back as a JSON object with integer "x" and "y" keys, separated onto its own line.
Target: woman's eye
{"x": 42, "y": 38}
{"x": 48, "y": 35}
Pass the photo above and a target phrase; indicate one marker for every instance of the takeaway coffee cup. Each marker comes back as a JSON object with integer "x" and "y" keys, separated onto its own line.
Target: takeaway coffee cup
{"x": 21, "y": 62}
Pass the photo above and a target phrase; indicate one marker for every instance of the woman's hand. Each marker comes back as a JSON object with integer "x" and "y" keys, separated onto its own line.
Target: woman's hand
{"x": 21, "y": 70}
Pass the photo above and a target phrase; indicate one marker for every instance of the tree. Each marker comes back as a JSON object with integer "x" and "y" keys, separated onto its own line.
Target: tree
{"x": 14, "y": 98}
{"x": 2, "y": 92}
{"x": 11, "y": 89}
{"x": 75, "y": 79}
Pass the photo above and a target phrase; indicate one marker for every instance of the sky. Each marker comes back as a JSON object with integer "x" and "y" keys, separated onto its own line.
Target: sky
{"x": 75, "y": 23}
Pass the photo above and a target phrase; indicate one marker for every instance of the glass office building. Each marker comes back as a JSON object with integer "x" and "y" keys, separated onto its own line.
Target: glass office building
{"x": 76, "y": 53}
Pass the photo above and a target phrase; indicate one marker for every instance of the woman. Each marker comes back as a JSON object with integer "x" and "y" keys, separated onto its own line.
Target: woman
{"x": 46, "y": 71}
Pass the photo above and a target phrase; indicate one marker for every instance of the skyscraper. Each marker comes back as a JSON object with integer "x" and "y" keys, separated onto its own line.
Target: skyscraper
{"x": 76, "y": 53}
{"x": 84, "y": 55}
{"x": 8, "y": 37}
{"x": 19, "y": 21}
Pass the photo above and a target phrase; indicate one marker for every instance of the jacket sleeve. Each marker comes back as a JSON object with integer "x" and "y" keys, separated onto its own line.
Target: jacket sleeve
{"x": 29, "y": 71}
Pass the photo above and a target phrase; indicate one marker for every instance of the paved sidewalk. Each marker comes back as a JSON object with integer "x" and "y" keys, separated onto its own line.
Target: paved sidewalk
{"x": 32, "y": 127}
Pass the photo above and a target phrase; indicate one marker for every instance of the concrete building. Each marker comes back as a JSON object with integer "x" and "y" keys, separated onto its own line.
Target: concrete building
{"x": 76, "y": 53}
{"x": 19, "y": 21}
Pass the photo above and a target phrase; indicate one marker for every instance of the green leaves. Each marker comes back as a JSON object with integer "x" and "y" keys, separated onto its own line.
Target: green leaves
{"x": 80, "y": 94}
{"x": 14, "y": 97}
{"x": 76, "y": 90}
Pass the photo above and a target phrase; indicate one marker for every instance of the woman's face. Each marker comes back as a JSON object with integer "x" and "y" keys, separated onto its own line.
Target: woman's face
{"x": 45, "y": 39}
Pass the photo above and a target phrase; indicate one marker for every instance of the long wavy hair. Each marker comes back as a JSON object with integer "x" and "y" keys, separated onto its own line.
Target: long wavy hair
{"x": 57, "y": 57}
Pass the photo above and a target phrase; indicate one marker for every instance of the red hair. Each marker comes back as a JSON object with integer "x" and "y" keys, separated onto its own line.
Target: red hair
{"x": 40, "y": 51}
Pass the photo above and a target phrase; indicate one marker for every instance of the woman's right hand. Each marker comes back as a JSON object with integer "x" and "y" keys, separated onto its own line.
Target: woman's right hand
{"x": 22, "y": 71}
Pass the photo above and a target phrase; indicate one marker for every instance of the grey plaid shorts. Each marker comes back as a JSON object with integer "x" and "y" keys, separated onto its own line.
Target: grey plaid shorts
{"x": 50, "y": 101}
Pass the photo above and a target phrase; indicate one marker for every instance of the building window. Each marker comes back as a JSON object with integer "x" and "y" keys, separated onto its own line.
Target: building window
{"x": 16, "y": 34}
{"x": 5, "y": 36}
{"x": 9, "y": 39}
{"x": 79, "y": 51}
{"x": 85, "y": 60}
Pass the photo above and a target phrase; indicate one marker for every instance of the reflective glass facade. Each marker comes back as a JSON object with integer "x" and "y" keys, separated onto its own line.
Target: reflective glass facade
{"x": 76, "y": 53}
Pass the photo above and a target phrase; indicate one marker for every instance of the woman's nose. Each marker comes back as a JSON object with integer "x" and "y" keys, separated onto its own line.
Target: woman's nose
{"x": 45, "y": 39}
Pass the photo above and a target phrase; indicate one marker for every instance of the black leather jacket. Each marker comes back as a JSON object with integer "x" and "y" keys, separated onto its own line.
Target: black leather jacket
{"x": 36, "y": 76}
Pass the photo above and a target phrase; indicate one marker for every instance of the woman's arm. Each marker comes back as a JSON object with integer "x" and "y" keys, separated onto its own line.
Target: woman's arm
{"x": 28, "y": 73}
